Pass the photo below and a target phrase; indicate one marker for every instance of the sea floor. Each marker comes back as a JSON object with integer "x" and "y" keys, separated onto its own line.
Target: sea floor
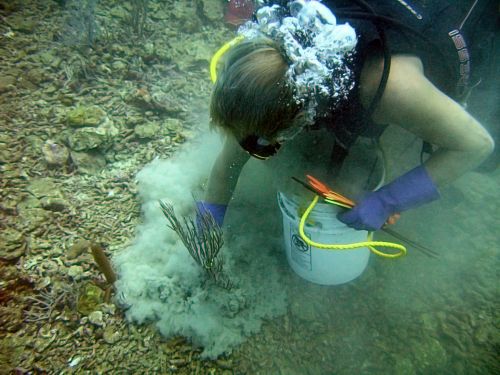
{"x": 81, "y": 113}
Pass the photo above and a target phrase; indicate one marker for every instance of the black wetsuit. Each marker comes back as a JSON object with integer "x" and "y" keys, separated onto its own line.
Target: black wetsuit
{"x": 453, "y": 38}
{"x": 454, "y": 45}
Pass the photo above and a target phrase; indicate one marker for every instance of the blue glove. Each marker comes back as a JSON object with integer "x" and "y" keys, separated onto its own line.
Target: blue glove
{"x": 408, "y": 191}
{"x": 218, "y": 211}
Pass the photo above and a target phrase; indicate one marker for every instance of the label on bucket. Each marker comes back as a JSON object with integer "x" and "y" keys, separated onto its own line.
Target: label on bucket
{"x": 300, "y": 252}
{"x": 325, "y": 267}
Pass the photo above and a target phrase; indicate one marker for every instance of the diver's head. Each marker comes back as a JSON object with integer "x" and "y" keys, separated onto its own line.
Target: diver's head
{"x": 282, "y": 65}
{"x": 252, "y": 98}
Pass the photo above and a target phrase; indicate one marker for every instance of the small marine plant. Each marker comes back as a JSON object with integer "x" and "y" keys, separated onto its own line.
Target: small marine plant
{"x": 138, "y": 16}
{"x": 81, "y": 29}
{"x": 203, "y": 239}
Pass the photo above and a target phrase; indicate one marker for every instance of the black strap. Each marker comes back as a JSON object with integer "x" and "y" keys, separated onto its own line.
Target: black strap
{"x": 387, "y": 56}
{"x": 427, "y": 149}
{"x": 339, "y": 153}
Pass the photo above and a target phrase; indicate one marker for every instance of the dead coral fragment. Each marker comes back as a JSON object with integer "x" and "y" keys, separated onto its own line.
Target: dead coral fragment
{"x": 89, "y": 298}
{"x": 78, "y": 247}
{"x": 55, "y": 154}
{"x": 47, "y": 303}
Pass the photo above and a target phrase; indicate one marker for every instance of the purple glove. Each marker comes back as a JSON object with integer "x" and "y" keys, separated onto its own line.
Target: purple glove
{"x": 216, "y": 210}
{"x": 407, "y": 191}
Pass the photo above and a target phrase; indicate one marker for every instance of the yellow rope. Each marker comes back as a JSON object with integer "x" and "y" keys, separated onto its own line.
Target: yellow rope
{"x": 221, "y": 51}
{"x": 369, "y": 243}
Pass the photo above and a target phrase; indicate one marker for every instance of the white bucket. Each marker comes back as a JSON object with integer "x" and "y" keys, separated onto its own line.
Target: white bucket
{"x": 326, "y": 267}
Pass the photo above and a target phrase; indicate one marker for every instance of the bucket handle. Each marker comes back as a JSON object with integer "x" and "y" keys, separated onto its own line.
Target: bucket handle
{"x": 370, "y": 244}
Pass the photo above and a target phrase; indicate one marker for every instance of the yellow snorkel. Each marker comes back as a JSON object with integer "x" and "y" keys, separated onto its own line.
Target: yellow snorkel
{"x": 220, "y": 52}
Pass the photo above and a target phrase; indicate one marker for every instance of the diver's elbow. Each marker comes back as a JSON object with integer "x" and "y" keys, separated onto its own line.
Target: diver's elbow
{"x": 486, "y": 147}
{"x": 479, "y": 144}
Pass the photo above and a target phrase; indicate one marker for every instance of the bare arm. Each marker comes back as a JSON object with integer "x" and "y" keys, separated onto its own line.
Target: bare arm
{"x": 414, "y": 103}
{"x": 225, "y": 172}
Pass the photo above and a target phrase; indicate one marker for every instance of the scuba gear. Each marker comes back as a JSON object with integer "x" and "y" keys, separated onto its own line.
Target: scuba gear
{"x": 401, "y": 28}
{"x": 320, "y": 71}
{"x": 259, "y": 148}
{"x": 317, "y": 50}
{"x": 407, "y": 28}
{"x": 408, "y": 191}
{"x": 220, "y": 52}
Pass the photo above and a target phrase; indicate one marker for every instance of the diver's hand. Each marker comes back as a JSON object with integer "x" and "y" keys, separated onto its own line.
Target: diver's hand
{"x": 408, "y": 191}
{"x": 218, "y": 211}
{"x": 369, "y": 214}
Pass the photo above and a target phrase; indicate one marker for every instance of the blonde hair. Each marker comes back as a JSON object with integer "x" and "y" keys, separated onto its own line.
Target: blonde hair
{"x": 252, "y": 95}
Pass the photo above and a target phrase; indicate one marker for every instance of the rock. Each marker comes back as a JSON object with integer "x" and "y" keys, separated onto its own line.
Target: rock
{"x": 96, "y": 318}
{"x": 25, "y": 83}
{"x": 482, "y": 334}
{"x": 55, "y": 154}
{"x": 159, "y": 15}
{"x": 91, "y": 296}
{"x": 185, "y": 15}
{"x": 82, "y": 116}
{"x": 119, "y": 65}
{"x": 34, "y": 217}
{"x": 7, "y": 83}
{"x": 108, "y": 308}
{"x": 87, "y": 139}
{"x": 404, "y": 366}
{"x": 45, "y": 196}
{"x": 119, "y": 13}
{"x": 429, "y": 322}
{"x": 109, "y": 128}
{"x": 171, "y": 125}
{"x": 186, "y": 52}
{"x": 213, "y": 10}
{"x": 54, "y": 204}
{"x": 75, "y": 272}
{"x": 202, "y": 53}
{"x": 79, "y": 247}
{"x": 88, "y": 162}
{"x": 74, "y": 361}
{"x": 19, "y": 22}
{"x": 148, "y": 130}
{"x": 111, "y": 336}
{"x": 44, "y": 187}
{"x": 37, "y": 76}
{"x": 48, "y": 58}
{"x": 155, "y": 101}
{"x": 429, "y": 355}
{"x": 12, "y": 244}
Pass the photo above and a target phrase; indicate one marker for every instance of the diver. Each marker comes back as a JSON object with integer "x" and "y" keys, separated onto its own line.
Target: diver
{"x": 352, "y": 67}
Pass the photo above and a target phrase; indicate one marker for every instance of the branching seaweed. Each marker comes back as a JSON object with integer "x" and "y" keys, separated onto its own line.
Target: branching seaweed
{"x": 81, "y": 28}
{"x": 138, "y": 16}
{"x": 203, "y": 239}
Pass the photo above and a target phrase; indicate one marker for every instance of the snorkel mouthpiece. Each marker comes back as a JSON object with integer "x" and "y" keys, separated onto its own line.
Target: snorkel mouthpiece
{"x": 259, "y": 147}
